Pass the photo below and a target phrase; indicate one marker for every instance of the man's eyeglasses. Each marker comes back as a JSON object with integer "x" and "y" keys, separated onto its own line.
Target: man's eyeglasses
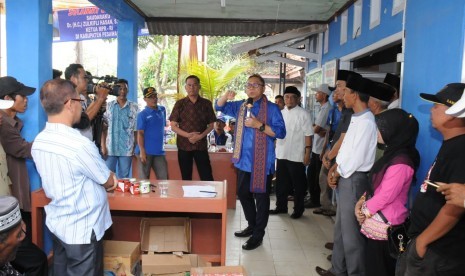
{"x": 72, "y": 99}
{"x": 253, "y": 85}
{"x": 21, "y": 233}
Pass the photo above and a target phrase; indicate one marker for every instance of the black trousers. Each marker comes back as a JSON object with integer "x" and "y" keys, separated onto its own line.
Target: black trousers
{"x": 256, "y": 206}
{"x": 202, "y": 160}
{"x": 432, "y": 264}
{"x": 313, "y": 178}
{"x": 78, "y": 259}
{"x": 290, "y": 175}
{"x": 30, "y": 259}
{"x": 378, "y": 261}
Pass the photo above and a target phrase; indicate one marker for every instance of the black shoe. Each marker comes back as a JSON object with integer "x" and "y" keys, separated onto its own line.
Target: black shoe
{"x": 329, "y": 257}
{"x": 329, "y": 245}
{"x": 323, "y": 272}
{"x": 247, "y": 232}
{"x": 277, "y": 211}
{"x": 311, "y": 205}
{"x": 252, "y": 243}
{"x": 296, "y": 215}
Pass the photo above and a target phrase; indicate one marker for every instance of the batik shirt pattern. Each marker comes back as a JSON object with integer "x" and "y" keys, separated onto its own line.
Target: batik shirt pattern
{"x": 122, "y": 122}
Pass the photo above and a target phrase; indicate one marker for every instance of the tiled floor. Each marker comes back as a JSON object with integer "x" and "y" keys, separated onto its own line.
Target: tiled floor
{"x": 290, "y": 247}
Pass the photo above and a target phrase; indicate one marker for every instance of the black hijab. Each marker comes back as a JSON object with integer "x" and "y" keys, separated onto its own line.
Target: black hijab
{"x": 399, "y": 131}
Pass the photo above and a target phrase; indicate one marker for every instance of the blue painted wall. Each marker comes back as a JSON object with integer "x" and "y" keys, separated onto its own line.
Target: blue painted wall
{"x": 388, "y": 25}
{"x": 29, "y": 59}
{"x": 433, "y": 53}
{"x": 433, "y": 57}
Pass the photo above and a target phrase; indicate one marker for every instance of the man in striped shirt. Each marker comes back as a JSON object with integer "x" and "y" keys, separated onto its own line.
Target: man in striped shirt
{"x": 76, "y": 179}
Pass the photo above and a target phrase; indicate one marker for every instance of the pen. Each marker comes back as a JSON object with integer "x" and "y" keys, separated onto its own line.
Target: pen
{"x": 208, "y": 192}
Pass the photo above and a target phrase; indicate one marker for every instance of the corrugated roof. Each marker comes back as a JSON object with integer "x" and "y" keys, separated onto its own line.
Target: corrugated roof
{"x": 190, "y": 26}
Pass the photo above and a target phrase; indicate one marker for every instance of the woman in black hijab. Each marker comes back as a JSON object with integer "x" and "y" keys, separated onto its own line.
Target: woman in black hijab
{"x": 391, "y": 177}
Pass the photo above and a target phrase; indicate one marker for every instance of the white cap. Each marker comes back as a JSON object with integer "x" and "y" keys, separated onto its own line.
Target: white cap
{"x": 5, "y": 104}
{"x": 457, "y": 109}
{"x": 323, "y": 88}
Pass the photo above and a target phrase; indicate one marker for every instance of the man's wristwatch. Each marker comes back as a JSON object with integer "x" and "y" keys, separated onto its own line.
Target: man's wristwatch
{"x": 262, "y": 128}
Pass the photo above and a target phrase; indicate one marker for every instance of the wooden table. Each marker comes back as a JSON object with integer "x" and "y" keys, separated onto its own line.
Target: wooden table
{"x": 222, "y": 167}
{"x": 208, "y": 216}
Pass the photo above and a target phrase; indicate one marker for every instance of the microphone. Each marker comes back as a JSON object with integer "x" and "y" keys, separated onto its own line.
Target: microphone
{"x": 248, "y": 106}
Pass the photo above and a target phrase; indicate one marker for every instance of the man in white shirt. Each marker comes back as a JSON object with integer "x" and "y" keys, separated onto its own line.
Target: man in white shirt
{"x": 319, "y": 128}
{"x": 349, "y": 176}
{"x": 76, "y": 179}
{"x": 293, "y": 154}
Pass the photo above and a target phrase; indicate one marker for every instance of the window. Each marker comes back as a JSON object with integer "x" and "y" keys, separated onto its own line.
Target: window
{"x": 344, "y": 17}
{"x": 375, "y": 13}
{"x": 357, "y": 30}
{"x": 397, "y": 6}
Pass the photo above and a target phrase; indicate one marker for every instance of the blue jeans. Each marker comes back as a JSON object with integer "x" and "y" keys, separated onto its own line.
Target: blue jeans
{"x": 124, "y": 165}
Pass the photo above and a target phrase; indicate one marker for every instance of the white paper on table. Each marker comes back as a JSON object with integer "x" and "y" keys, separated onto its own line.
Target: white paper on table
{"x": 199, "y": 191}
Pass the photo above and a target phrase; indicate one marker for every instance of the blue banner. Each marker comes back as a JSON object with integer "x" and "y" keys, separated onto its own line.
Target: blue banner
{"x": 85, "y": 24}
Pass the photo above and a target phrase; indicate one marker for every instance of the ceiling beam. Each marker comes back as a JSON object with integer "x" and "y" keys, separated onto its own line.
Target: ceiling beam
{"x": 278, "y": 58}
{"x": 290, "y": 50}
{"x": 270, "y": 40}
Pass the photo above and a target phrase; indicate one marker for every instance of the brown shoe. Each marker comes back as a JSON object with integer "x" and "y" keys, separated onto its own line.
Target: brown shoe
{"x": 319, "y": 211}
{"x": 329, "y": 245}
{"x": 323, "y": 272}
{"x": 328, "y": 213}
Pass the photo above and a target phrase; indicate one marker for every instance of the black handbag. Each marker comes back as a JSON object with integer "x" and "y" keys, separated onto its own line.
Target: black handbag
{"x": 397, "y": 237}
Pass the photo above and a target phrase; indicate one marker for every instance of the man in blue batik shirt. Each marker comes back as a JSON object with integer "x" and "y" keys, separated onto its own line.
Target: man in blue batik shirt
{"x": 118, "y": 141}
{"x": 258, "y": 124}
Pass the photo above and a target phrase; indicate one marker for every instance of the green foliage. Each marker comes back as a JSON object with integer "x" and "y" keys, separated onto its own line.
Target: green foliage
{"x": 223, "y": 72}
{"x": 213, "y": 81}
{"x": 160, "y": 70}
{"x": 219, "y": 53}
{"x": 219, "y": 49}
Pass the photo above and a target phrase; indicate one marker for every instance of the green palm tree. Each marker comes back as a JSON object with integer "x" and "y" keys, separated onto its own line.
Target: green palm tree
{"x": 212, "y": 81}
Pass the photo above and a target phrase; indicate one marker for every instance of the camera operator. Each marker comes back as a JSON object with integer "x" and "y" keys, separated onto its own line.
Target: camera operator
{"x": 77, "y": 75}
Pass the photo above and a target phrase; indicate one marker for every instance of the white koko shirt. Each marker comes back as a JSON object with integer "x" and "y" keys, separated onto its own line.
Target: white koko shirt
{"x": 357, "y": 152}
{"x": 298, "y": 122}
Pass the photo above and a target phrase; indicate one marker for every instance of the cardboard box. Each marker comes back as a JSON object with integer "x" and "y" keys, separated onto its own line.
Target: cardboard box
{"x": 219, "y": 271}
{"x": 163, "y": 235}
{"x": 170, "y": 264}
{"x": 121, "y": 256}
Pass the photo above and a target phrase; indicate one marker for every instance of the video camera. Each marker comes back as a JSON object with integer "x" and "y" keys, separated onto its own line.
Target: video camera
{"x": 109, "y": 84}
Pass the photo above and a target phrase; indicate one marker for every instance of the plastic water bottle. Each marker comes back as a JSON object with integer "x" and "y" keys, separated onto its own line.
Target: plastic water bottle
{"x": 212, "y": 143}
